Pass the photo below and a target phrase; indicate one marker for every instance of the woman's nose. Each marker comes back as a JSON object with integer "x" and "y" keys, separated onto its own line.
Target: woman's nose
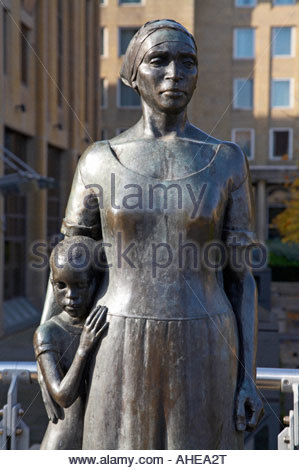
{"x": 173, "y": 71}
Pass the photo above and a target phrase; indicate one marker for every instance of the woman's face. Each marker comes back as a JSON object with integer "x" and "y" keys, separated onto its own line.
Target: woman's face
{"x": 167, "y": 76}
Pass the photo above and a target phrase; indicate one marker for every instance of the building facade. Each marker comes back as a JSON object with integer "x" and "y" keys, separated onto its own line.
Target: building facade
{"x": 248, "y": 52}
{"x": 49, "y": 67}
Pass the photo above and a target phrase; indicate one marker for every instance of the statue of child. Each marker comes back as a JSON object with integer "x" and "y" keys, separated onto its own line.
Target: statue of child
{"x": 63, "y": 344}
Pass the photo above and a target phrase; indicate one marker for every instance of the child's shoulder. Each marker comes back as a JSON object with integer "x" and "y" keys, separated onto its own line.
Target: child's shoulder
{"x": 45, "y": 331}
{"x": 46, "y": 336}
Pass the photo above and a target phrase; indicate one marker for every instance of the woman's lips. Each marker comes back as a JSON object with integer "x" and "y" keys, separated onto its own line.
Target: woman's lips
{"x": 173, "y": 92}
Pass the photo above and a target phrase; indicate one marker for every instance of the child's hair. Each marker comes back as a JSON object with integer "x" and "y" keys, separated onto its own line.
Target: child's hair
{"x": 78, "y": 252}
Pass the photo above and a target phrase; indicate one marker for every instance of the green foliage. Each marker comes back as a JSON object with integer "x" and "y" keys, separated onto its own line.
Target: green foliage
{"x": 282, "y": 254}
{"x": 288, "y": 221}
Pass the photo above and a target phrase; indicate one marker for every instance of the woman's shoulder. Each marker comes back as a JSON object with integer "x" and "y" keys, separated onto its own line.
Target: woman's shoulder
{"x": 235, "y": 162}
{"x": 230, "y": 157}
{"x": 95, "y": 152}
{"x": 94, "y": 160}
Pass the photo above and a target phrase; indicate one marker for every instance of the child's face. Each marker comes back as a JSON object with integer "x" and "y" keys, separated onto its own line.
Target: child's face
{"x": 73, "y": 290}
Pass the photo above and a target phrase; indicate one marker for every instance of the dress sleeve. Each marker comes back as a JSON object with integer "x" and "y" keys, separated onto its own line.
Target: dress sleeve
{"x": 82, "y": 215}
{"x": 42, "y": 341}
{"x": 239, "y": 221}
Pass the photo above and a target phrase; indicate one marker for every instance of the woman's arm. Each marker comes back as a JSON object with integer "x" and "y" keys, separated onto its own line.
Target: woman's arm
{"x": 241, "y": 290}
{"x": 65, "y": 389}
{"x": 82, "y": 217}
{"x": 239, "y": 285}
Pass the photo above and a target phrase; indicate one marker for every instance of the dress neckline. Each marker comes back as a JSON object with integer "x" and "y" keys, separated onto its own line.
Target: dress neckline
{"x": 116, "y": 159}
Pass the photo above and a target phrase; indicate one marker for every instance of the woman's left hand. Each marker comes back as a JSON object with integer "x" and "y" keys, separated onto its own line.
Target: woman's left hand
{"x": 249, "y": 406}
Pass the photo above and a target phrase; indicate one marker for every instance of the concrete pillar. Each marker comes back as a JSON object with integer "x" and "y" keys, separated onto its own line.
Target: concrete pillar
{"x": 75, "y": 124}
{"x": 261, "y": 215}
{"x": 95, "y": 40}
{"x": 52, "y": 61}
{"x": 1, "y": 172}
{"x": 37, "y": 201}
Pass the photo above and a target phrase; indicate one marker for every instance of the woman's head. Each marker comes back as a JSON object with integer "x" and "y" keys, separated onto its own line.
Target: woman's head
{"x": 161, "y": 64}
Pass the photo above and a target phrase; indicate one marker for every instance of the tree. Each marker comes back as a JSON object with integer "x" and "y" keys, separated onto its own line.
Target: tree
{"x": 287, "y": 221}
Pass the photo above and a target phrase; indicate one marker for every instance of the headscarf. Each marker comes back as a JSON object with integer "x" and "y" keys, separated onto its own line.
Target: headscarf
{"x": 135, "y": 52}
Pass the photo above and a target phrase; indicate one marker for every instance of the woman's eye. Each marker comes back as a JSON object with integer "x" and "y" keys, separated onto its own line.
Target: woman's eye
{"x": 157, "y": 61}
{"x": 189, "y": 63}
{"x": 60, "y": 285}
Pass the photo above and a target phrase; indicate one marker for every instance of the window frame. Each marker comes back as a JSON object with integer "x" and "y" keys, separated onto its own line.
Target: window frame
{"x": 235, "y": 57}
{"x": 133, "y": 4}
{"x": 118, "y": 99}
{"x": 104, "y": 93}
{"x": 252, "y": 139}
{"x": 244, "y": 79}
{"x": 271, "y": 143}
{"x": 105, "y": 42}
{"x": 291, "y": 92}
{"x": 245, "y": 6}
{"x": 293, "y": 35}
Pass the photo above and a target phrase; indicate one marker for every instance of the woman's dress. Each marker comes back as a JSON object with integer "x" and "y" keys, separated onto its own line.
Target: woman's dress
{"x": 165, "y": 374}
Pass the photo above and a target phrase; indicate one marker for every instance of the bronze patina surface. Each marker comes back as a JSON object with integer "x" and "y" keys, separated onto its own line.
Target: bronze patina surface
{"x": 176, "y": 369}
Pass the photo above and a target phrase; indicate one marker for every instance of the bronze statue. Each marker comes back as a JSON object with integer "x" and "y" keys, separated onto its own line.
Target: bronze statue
{"x": 63, "y": 344}
{"x": 176, "y": 369}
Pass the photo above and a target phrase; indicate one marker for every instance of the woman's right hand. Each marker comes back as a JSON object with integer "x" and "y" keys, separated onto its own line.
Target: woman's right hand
{"x": 94, "y": 327}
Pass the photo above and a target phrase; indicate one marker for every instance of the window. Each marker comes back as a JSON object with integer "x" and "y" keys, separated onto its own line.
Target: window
{"x": 243, "y": 93}
{"x": 5, "y": 39}
{"x": 104, "y": 92}
{"x": 125, "y": 2}
{"x": 245, "y": 138}
{"x": 281, "y": 142}
{"x": 104, "y": 42}
{"x": 24, "y": 53}
{"x": 244, "y": 39}
{"x": 15, "y": 212}
{"x": 245, "y": 3}
{"x": 127, "y": 97}
{"x": 125, "y": 36}
{"x": 55, "y": 157}
{"x": 104, "y": 134}
{"x": 103, "y": 2}
{"x": 284, "y": 2}
{"x": 281, "y": 93}
{"x": 282, "y": 42}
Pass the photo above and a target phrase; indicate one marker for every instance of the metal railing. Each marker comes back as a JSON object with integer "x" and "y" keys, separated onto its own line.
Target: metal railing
{"x": 14, "y": 433}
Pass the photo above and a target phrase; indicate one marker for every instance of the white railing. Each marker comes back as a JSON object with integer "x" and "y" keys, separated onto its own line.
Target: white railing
{"x": 14, "y": 433}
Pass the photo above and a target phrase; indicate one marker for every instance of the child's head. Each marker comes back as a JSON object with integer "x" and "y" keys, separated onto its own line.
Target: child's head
{"x": 73, "y": 275}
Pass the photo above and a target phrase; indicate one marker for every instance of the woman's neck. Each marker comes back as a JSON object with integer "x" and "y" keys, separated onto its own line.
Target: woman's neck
{"x": 158, "y": 124}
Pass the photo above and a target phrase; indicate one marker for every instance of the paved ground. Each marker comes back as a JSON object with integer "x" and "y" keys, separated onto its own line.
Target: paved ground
{"x": 18, "y": 347}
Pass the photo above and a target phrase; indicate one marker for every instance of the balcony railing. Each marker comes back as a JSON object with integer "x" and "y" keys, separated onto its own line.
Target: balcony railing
{"x": 14, "y": 433}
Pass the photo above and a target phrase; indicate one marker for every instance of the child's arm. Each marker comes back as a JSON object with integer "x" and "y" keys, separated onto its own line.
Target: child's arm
{"x": 65, "y": 389}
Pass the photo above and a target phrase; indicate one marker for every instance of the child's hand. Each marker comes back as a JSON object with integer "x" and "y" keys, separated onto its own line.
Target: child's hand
{"x": 94, "y": 326}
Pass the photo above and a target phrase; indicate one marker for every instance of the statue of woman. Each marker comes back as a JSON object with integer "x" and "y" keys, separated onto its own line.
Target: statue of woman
{"x": 177, "y": 367}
